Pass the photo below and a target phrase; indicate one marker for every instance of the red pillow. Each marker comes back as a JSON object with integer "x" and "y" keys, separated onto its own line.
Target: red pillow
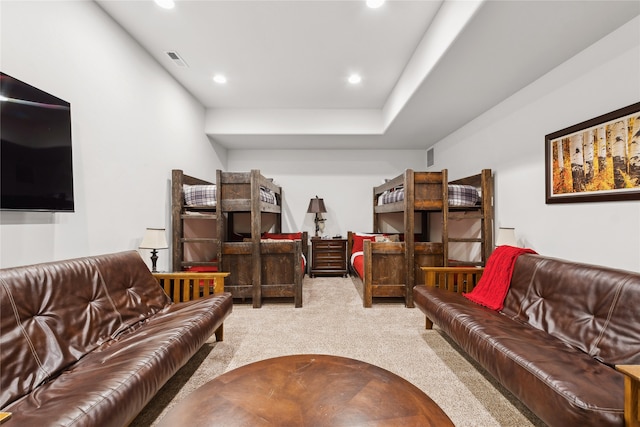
{"x": 358, "y": 242}
{"x": 283, "y": 236}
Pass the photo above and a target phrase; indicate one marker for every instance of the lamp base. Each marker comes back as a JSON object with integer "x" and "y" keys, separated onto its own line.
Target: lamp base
{"x": 319, "y": 222}
{"x": 154, "y": 260}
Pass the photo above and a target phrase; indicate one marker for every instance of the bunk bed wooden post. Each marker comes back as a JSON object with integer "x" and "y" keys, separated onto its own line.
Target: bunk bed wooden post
{"x": 409, "y": 235}
{"x": 221, "y": 227}
{"x": 376, "y": 221}
{"x": 367, "y": 291}
{"x": 487, "y": 209}
{"x": 445, "y": 217}
{"x": 256, "y": 229}
{"x": 298, "y": 274}
{"x": 177, "y": 200}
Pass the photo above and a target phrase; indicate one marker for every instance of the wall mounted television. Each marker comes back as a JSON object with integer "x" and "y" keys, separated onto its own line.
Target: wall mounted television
{"x": 36, "y": 161}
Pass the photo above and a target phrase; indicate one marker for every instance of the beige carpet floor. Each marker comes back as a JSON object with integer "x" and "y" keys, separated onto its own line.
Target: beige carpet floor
{"x": 333, "y": 321}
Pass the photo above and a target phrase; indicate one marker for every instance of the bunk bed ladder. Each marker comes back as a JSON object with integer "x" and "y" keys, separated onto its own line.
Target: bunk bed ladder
{"x": 181, "y": 213}
{"x": 484, "y": 214}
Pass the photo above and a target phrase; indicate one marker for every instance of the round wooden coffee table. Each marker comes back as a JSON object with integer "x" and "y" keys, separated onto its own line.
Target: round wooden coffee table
{"x": 307, "y": 390}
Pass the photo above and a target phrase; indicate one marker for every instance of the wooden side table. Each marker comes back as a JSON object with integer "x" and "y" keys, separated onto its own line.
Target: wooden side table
{"x": 328, "y": 257}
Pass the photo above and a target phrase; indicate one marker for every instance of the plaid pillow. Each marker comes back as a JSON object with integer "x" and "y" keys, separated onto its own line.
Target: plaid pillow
{"x": 267, "y": 196}
{"x": 396, "y": 195}
{"x": 463, "y": 195}
{"x": 199, "y": 195}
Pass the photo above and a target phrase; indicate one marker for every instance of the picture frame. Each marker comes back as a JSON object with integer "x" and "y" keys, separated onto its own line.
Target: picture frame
{"x": 595, "y": 161}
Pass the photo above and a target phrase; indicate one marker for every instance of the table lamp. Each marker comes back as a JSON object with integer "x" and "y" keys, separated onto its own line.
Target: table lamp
{"x": 154, "y": 239}
{"x": 506, "y": 236}
{"x": 316, "y": 206}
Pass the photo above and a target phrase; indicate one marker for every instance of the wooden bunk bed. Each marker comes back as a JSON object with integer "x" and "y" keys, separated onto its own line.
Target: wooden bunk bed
{"x": 260, "y": 268}
{"x": 391, "y": 269}
{"x": 204, "y": 237}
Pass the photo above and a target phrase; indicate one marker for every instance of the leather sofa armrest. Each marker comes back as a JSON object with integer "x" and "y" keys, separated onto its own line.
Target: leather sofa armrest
{"x": 454, "y": 279}
{"x": 4, "y": 416}
{"x": 631, "y": 392}
{"x": 185, "y": 286}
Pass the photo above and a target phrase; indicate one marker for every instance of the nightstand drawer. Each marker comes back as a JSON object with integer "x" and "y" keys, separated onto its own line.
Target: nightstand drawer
{"x": 335, "y": 265}
{"x": 328, "y": 257}
{"x": 328, "y": 245}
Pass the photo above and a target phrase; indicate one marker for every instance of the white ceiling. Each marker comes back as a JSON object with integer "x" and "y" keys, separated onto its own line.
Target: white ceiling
{"x": 428, "y": 67}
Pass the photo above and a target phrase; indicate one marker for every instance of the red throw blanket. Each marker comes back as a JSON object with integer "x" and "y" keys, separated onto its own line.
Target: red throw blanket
{"x": 494, "y": 283}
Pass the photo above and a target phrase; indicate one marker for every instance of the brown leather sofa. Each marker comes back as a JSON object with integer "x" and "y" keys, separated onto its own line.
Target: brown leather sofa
{"x": 89, "y": 341}
{"x": 563, "y": 328}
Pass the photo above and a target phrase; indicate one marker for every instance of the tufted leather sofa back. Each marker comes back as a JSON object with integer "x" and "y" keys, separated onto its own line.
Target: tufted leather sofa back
{"x": 591, "y": 308}
{"x": 53, "y": 314}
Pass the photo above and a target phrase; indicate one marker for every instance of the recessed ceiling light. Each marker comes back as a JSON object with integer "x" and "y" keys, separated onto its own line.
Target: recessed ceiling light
{"x": 165, "y": 4}
{"x": 220, "y": 79}
{"x": 354, "y": 79}
{"x": 374, "y": 4}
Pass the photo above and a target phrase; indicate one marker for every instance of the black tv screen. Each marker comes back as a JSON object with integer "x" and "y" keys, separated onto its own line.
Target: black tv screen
{"x": 36, "y": 160}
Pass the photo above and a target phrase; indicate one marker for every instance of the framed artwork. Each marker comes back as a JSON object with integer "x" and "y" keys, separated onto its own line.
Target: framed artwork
{"x": 596, "y": 160}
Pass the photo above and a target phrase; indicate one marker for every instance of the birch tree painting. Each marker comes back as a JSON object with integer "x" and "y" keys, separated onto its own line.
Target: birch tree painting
{"x": 599, "y": 159}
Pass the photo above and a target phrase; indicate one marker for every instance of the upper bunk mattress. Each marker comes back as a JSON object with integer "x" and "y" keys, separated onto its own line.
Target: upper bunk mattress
{"x": 205, "y": 195}
{"x": 459, "y": 196}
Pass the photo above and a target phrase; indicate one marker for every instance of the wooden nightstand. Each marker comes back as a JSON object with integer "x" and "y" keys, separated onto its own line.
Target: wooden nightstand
{"x": 328, "y": 257}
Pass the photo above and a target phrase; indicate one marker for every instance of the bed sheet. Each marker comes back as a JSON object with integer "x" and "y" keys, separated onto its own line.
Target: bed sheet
{"x": 357, "y": 262}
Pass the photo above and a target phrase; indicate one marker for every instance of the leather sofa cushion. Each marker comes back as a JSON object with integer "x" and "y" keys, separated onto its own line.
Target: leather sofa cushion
{"x": 109, "y": 384}
{"x": 593, "y": 309}
{"x": 564, "y": 386}
{"x": 53, "y": 314}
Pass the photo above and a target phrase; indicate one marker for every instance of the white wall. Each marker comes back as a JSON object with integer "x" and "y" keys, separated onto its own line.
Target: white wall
{"x": 131, "y": 124}
{"x": 343, "y": 178}
{"x": 510, "y": 140}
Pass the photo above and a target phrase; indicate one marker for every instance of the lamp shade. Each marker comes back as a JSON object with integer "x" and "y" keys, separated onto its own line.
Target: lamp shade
{"x": 154, "y": 238}
{"x": 316, "y": 205}
{"x": 506, "y": 236}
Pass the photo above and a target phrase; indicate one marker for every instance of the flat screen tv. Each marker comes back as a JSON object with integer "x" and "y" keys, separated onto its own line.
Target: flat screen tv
{"x": 36, "y": 164}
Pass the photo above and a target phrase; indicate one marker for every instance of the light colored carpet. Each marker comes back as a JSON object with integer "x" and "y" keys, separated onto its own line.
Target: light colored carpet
{"x": 333, "y": 321}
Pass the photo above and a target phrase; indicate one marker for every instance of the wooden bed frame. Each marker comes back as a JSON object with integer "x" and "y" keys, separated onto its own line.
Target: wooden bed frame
{"x": 257, "y": 269}
{"x": 386, "y": 270}
{"x": 392, "y": 269}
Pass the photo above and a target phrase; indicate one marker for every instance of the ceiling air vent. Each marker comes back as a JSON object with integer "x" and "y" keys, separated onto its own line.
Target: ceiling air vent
{"x": 177, "y": 59}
